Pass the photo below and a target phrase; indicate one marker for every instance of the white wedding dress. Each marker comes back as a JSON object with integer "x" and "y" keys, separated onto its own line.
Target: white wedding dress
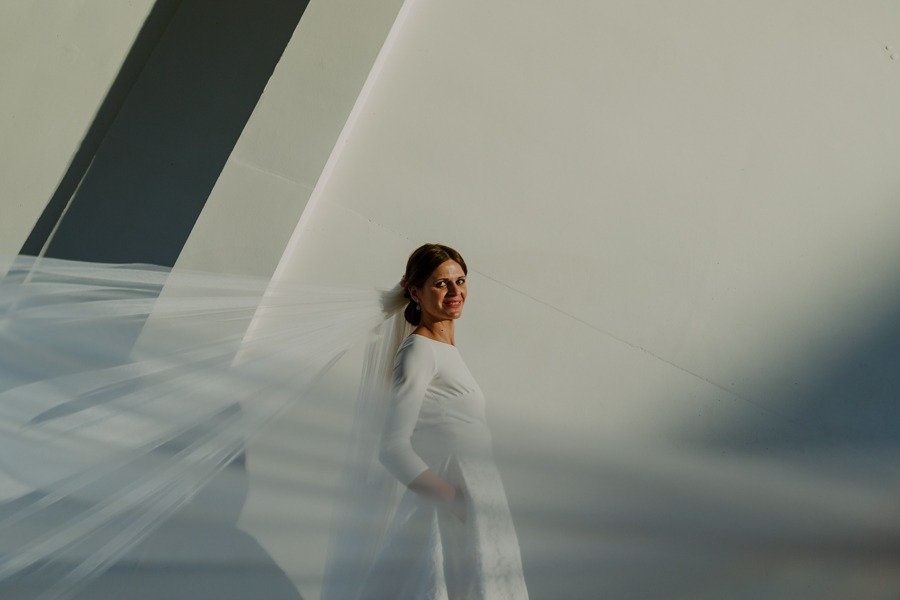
{"x": 436, "y": 420}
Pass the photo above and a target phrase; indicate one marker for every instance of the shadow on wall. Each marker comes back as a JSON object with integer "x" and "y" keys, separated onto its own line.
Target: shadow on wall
{"x": 199, "y": 554}
{"x": 169, "y": 123}
{"x": 846, "y": 401}
{"x": 795, "y": 504}
{"x": 147, "y": 39}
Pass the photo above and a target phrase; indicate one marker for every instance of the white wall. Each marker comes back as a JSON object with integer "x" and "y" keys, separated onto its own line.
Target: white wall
{"x": 57, "y": 61}
{"x": 682, "y": 225}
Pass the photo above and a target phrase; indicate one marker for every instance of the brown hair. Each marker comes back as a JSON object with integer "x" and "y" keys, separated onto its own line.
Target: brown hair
{"x": 421, "y": 264}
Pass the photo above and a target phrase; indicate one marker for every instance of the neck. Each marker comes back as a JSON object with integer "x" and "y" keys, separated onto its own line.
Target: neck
{"x": 438, "y": 330}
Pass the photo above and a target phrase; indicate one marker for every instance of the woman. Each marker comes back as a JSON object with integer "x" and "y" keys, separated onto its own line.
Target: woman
{"x": 451, "y": 536}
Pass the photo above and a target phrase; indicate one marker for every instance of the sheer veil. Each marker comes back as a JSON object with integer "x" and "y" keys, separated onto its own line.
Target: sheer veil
{"x": 125, "y": 388}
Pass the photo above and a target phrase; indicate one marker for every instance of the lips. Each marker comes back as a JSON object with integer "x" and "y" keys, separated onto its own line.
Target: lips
{"x": 453, "y": 304}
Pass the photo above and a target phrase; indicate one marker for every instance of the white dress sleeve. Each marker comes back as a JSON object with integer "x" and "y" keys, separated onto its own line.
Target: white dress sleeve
{"x": 414, "y": 368}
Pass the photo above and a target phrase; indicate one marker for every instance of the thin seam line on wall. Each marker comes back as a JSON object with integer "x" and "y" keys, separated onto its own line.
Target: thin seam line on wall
{"x": 255, "y": 167}
{"x": 643, "y": 349}
{"x": 590, "y": 325}
{"x": 805, "y": 424}
{"x": 371, "y": 220}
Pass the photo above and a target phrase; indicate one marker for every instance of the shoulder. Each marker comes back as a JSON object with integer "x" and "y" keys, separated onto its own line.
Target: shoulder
{"x": 416, "y": 352}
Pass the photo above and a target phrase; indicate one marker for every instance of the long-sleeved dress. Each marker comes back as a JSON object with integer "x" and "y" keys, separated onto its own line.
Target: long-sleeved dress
{"x": 437, "y": 421}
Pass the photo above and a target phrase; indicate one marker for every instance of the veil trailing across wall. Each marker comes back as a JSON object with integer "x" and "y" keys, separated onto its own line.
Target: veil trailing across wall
{"x": 125, "y": 388}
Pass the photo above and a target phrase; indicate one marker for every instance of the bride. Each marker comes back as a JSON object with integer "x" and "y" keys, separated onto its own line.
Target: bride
{"x": 452, "y": 535}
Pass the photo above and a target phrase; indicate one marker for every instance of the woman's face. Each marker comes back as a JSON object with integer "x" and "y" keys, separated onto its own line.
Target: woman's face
{"x": 443, "y": 294}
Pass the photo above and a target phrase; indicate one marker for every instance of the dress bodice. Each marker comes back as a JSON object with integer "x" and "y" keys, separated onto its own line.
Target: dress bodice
{"x": 452, "y": 394}
{"x": 430, "y": 387}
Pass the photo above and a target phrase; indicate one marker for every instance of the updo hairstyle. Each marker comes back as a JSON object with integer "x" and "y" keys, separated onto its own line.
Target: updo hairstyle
{"x": 421, "y": 264}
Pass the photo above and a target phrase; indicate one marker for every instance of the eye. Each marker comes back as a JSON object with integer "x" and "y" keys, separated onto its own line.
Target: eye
{"x": 439, "y": 284}
{"x": 461, "y": 281}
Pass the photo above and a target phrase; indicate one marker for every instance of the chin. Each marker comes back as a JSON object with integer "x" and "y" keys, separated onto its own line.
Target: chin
{"x": 453, "y": 313}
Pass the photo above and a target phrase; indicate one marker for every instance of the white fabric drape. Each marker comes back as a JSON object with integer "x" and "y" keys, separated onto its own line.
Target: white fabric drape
{"x": 103, "y": 438}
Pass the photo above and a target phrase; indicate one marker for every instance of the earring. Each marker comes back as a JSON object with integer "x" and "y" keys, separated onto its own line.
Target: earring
{"x": 417, "y": 306}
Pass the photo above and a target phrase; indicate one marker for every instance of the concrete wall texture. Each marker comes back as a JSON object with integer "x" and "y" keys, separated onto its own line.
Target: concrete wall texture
{"x": 681, "y": 221}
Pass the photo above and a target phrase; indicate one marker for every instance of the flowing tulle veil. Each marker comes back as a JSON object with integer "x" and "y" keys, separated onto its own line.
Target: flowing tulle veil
{"x": 368, "y": 493}
{"x": 125, "y": 388}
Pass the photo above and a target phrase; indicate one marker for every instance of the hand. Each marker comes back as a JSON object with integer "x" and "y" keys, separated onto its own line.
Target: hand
{"x": 439, "y": 490}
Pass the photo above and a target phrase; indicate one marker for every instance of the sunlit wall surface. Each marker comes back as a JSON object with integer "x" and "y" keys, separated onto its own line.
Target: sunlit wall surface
{"x": 681, "y": 220}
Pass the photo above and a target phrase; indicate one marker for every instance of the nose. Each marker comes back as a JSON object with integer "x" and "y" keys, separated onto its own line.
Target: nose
{"x": 452, "y": 289}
